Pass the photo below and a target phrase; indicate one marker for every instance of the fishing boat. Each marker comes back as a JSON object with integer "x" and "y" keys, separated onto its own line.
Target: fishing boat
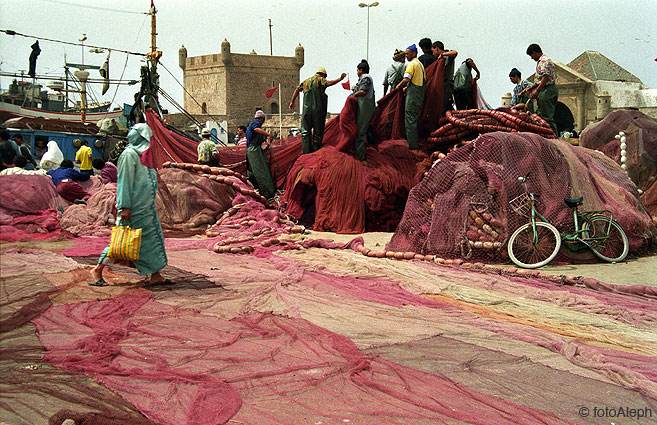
{"x": 29, "y": 99}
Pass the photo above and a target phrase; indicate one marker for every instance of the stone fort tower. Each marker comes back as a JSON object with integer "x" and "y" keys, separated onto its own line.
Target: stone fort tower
{"x": 232, "y": 86}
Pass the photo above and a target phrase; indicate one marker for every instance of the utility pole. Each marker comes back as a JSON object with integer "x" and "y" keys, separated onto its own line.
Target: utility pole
{"x": 271, "y": 48}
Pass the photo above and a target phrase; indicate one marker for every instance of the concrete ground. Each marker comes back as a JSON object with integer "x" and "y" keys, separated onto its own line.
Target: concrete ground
{"x": 633, "y": 271}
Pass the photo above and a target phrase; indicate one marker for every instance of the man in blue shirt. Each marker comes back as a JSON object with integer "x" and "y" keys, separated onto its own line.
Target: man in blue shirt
{"x": 66, "y": 179}
{"x": 258, "y": 171}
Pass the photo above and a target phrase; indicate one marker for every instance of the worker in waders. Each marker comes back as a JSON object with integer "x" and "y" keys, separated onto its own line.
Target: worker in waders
{"x": 413, "y": 82}
{"x": 315, "y": 101}
{"x": 364, "y": 91}
{"x": 257, "y": 157}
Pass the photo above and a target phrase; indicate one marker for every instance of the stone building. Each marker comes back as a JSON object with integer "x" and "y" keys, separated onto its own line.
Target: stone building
{"x": 591, "y": 86}
{"x": 232, "y": 86}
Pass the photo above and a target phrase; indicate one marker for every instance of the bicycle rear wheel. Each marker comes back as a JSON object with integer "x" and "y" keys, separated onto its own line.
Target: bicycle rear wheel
{"x": 612, "y": 246}
{"x": 529, "y": 252}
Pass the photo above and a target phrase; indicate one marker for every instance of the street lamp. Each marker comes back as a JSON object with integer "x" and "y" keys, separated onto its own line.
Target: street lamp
{"x": 375, "y": 4}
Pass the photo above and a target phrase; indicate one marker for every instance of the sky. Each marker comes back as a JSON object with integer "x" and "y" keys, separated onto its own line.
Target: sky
{"x": 495, "y": 34}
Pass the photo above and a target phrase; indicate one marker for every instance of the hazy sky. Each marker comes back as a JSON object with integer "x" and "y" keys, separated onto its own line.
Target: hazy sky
{"x": 333, "y": 33}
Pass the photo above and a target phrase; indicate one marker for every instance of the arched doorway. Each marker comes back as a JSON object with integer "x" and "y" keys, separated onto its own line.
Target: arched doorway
{"x": 204, "y": 108}
{"x": 274, "y": 108}
{"x": 564, "y": 118}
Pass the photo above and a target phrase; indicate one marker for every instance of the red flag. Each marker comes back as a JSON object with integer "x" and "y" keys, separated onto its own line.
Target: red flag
{"x": 346, "y": 85}
{"x": 270, "y": 92}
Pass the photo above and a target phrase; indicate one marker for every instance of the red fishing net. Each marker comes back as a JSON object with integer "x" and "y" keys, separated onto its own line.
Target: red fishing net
{"x": 461, "y": 208}
{"x": 289, "y": 338}
{"x": 167, "y": 145}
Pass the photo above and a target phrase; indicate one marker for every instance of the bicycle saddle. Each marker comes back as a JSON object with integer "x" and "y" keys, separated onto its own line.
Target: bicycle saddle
{"x": 573, "y": 202}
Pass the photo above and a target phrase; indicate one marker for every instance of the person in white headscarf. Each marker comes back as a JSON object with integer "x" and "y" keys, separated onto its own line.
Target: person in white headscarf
{"x": 52, "y": 158}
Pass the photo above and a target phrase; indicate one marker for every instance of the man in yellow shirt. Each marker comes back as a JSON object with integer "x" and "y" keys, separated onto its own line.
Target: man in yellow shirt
{"x": 414, "y": 82}
{"x": 83, "y": 157}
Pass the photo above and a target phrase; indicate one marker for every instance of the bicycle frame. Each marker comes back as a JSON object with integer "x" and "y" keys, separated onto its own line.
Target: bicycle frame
{"x": 579, "y": 218}
{"x": 534, "y": 211}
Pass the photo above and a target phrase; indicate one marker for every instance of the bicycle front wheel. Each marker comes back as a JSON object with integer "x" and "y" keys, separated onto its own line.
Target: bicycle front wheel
{"x": 609, "y": 240}
{"x": 532, "y": 250}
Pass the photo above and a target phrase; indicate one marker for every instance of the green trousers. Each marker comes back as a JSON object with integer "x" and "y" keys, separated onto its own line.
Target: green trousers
{"x": 259, "y": 165}
{"x": 364, "y": 115}
{"x": 547, "y": 102}
{"x": 414, "y": 100}
{"x": 313, "y": 119}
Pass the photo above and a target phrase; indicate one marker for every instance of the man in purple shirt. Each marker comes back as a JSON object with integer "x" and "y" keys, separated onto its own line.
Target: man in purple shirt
{"x": 66, "y": 179}
{"x": 108, "y": 171}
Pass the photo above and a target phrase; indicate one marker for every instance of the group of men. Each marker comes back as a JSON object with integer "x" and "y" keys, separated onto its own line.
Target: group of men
{"x": 16, "y": 158}
{"x": 407, "y": 73}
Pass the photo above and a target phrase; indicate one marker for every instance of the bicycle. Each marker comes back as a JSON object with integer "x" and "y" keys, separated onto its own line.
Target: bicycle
{"x": 536, "y": 243}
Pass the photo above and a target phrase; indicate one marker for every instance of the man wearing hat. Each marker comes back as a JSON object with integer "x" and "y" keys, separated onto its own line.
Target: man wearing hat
{"x": 414, "y": 82}
{"x": 315, "y": 101}
{"x": 395, "y": 72}
{"x": 258, "y": 171}
{"x": 206, "y": 149}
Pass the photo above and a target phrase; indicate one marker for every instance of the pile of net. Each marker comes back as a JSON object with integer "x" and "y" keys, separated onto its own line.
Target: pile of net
{"x": 466, "y": 125}
{"x": 187, "y": 203}
{"x": 30, "y": 207}
{"x": 640, "y": 150}
{"x": 461, "y": 208}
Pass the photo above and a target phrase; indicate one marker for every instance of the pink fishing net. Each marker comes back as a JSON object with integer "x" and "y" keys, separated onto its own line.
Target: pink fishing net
{"x": 28, "y": 208}
{"x": 641, "y": 148}
{"x": 461, "y": 208}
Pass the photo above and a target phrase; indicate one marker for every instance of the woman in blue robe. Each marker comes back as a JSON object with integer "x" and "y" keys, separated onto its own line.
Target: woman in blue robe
{"x": 135, "y": 203}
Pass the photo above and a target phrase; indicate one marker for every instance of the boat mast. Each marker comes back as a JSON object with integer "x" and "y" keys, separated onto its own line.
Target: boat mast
{"x": 147, "y": 95}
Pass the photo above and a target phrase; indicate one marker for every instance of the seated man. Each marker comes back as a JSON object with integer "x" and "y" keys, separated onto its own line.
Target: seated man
{"x": 84, "y": 158}
{"x": 206, "y": 149}
{"x": 518, "y": 100}
{"x": 108, "y": 171}
{"x": 65, "y": 179}
{"x": 25, "y": 152}
{"x": 19, "y": 168}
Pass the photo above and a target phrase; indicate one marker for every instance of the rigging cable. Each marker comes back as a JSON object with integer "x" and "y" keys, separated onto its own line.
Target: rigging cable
{"x": 192, "y": 97}
{"x": 12, "y": 32}
{"x": 94, "y": 7}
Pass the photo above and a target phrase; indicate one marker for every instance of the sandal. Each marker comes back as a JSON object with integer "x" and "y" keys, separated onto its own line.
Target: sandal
{"x": 99, "y": 282}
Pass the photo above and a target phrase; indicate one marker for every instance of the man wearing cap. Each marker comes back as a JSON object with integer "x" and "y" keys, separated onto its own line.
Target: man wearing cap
{"x": 315, "y": 102}
{"x": 395, "y": 72}
{"x": 364, "y": 91}
{"x": 206, "y": 149}
{"x": 414, "y": 82}
{"x": 258, "y": 171}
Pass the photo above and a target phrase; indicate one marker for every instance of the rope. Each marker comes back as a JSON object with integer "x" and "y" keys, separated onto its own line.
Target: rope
{"x": 12, "y": 32}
